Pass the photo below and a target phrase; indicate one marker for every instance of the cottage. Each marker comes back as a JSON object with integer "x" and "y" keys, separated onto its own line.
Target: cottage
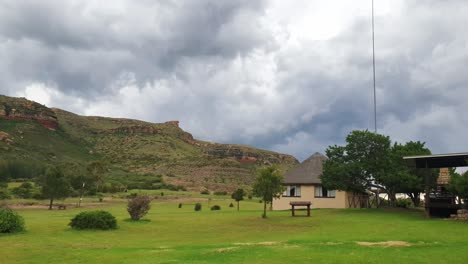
{"x": 303, "y": 184}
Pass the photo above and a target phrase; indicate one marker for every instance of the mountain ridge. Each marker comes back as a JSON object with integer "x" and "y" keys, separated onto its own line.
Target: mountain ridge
{"x": 35, "y": 132}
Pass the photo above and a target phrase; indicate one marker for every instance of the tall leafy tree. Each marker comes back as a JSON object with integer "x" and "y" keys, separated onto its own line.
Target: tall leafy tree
{"x": 238, "y": 195}
{"x": 54, "y": 185}
{"x": 404, "y": 179}
{"x": 268, "y": 185}
{"x": 362, "y": 161}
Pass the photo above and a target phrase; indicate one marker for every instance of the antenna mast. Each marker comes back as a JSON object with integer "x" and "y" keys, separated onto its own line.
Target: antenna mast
{"x": 373, "y": 69}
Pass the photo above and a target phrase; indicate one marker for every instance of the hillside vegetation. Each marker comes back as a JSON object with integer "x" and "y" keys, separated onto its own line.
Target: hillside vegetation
{"x": 32, "y": 132}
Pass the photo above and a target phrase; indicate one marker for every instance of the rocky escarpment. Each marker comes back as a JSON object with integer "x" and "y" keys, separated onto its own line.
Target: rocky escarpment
{"x": 245, "y": 154}
{"x": 167, "y": 128}
{"x": 137, "y": 129}
{"x": 21, "y": 109}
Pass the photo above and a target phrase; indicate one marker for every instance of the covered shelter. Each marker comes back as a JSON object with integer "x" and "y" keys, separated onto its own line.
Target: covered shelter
{"x": 436, "y": 161}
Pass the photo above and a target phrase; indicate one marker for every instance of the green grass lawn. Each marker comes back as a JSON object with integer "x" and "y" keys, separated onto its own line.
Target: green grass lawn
{"x": 173, "y": 235}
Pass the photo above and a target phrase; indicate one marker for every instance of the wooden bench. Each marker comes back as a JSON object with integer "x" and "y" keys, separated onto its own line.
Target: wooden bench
{"x": 300, "y": 203}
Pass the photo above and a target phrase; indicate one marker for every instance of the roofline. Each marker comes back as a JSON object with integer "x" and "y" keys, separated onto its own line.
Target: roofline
{"x": 436, "y": 156}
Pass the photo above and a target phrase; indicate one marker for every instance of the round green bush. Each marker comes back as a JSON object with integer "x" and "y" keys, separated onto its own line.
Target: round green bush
{"x": 215, "y": 207}
{"x": 403, "y": 203}
{"x": 94, "y": 220}
{"x": 198, "y": 207}
{"x": 10, "y": 221}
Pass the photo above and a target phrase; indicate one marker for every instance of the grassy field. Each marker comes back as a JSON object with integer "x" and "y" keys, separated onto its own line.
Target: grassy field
{"x": 170, "y": 234}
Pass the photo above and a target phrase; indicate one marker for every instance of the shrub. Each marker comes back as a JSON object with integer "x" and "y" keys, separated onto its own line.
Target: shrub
{"x": 205, "y": 191}
{"x": 215, "y": 207}
{"x": 231, "y": 205}
{"x": 4, "y": 194}
{"x": 220, "y": 193}
{"x": 180, "y": 205}
{"x": 139, "y": 206}
{"x": 403, "y": 203}
{"x": 25, "y": 190}
{"x": 10, "y": 221}
{"x": 38, "y": 196}
{"x": 250, "y": 196}
{"x": 198, "y": 207}
{"x": 94, "y": 220}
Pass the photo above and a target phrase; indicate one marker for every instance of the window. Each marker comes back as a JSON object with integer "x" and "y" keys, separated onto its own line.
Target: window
{"x": 321, "y": 192}
{"x": 292, "y": 191}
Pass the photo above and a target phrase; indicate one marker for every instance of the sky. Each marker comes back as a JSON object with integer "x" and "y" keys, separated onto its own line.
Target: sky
{"x": 289, "y": 76}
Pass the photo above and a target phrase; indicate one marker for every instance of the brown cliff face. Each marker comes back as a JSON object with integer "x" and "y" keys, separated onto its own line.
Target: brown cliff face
{"x": 245, "y": 154}
{"x": 21, "y": 109}
{"x": 137, "y": 129}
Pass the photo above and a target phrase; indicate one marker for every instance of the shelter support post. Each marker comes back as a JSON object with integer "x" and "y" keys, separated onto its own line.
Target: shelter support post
{"x": 427, "y": 190}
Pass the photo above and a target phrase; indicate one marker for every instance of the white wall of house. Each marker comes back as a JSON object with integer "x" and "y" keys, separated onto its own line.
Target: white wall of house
{"x": 311, "y": 193}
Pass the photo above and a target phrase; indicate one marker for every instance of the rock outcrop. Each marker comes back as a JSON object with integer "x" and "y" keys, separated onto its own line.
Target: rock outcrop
{"x": 247, "y": 155}
{"x": 5, "y": 137}
{"x": 137, "y": 129}
{"x": 21, "y": 109}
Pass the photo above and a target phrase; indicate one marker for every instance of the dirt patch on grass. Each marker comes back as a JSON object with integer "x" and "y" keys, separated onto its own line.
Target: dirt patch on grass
{"x": 385, "y": 244}
{"x": 266, "y": 243}
{"x": 226, "y": 249}
{"x": 332, "y": 243}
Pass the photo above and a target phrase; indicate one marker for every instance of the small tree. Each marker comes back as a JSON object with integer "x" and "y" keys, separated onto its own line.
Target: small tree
{"x": 139, "y": 206}
{"x": 54, "y": 185}
{"x": 238, "y": 196}
{"x": 268, "y": 185}
{"x": 96, "y": 170}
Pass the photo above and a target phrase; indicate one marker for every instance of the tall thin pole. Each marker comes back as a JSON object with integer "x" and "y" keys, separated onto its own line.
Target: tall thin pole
{"x": 373, "y": 69}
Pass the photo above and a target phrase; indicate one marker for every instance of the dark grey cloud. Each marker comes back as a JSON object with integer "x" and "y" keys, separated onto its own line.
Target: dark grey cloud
{"x": 250, "y": 72}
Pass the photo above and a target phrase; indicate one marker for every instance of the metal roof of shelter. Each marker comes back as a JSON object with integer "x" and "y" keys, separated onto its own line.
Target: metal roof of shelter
{"x": 438, "y": 160}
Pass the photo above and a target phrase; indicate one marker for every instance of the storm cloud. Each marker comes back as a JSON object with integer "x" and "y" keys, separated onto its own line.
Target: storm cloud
{"x": 290, "y": 76}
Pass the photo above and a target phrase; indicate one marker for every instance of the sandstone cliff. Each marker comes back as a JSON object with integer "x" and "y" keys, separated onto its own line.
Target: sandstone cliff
{"x": 21, "y": 109}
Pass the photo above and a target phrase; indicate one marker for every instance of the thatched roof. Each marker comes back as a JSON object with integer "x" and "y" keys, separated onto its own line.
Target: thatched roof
{"x": 308, "y": 172}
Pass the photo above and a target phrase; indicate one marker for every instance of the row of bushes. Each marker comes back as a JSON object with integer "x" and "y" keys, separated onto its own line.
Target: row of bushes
{"x": 198, "y": 207}
{"x": 137, "y": 207}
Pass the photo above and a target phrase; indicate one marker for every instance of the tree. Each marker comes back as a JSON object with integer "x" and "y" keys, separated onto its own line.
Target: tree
{"x": 96, "y": 170}
{"x": 410, "y": 181}
{"x": 459, "y": 186}
{"x": 238, "y": 196}
{"x": 54, "y": 185}
{"x": 358, "y": 164}
{"x": 268, "y": 185}
{"x": 4, "y": 174}
{"x": 139, "y": 206}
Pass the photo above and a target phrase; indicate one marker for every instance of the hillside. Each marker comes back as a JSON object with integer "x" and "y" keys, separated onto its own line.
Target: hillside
{"x": 30, "y": 131}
